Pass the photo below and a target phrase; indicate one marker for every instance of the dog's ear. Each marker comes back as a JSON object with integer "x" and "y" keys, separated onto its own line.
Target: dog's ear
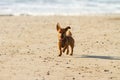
{"x": 68, "y": 27}
{"x": 58, "y": 26}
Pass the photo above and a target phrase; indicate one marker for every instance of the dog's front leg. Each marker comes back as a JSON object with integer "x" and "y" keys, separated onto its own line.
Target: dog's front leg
{"x": 60, "y": 49}
{"x": 66, "y": 47}
{"x": 60, "y": 52}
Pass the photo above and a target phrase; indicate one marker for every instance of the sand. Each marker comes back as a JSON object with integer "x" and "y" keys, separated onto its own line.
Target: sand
{"x": 28, "y": 48}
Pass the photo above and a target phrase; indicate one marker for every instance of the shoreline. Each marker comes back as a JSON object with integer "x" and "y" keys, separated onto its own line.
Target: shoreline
{"x": 61, "y": 14}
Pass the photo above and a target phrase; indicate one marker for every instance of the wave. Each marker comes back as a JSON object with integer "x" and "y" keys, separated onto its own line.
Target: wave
{"x": 59, "y": 7}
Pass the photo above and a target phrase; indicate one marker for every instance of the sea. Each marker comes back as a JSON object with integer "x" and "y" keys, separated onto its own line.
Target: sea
{"x": 59, "y": 7}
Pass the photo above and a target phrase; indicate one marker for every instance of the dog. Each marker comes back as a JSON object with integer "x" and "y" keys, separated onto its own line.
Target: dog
{"x": 65, "y": 40}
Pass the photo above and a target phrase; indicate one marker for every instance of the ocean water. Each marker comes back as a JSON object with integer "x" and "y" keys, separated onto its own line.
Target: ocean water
{"x": 59, "y": 7}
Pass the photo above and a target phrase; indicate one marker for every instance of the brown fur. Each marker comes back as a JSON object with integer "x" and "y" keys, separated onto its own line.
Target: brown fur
{"x": 65, "y": 39}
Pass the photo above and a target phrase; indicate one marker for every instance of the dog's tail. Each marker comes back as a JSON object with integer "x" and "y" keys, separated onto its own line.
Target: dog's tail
{"x": 68, "y": 27}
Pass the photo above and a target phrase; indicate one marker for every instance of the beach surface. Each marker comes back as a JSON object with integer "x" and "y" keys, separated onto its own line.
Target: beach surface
{"x": 29, "y": 51}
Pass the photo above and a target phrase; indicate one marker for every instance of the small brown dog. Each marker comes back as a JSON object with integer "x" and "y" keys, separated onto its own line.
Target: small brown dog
{"x": 65, "y": 40}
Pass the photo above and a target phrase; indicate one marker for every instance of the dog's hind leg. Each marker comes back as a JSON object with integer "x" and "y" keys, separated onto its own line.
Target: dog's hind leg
{"x": 67, "y": 51}
{"x": 71, "y": 52}
{"x": 71, "y": 49}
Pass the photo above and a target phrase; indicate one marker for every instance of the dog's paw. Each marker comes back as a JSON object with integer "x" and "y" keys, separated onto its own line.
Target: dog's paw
{"x": 63, "y": 51}
{"x": 59, "y": 55}
{"x": 67, "y": 53}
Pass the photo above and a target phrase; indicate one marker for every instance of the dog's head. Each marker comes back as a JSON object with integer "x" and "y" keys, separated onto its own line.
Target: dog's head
{"x": 61, "y": 31}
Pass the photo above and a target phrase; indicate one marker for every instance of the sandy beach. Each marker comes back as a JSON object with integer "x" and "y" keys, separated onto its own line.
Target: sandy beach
{"x": 29, "y": 51}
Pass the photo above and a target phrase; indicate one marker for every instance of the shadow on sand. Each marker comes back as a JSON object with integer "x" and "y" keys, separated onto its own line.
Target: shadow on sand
{"x": 100, "y": 57}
